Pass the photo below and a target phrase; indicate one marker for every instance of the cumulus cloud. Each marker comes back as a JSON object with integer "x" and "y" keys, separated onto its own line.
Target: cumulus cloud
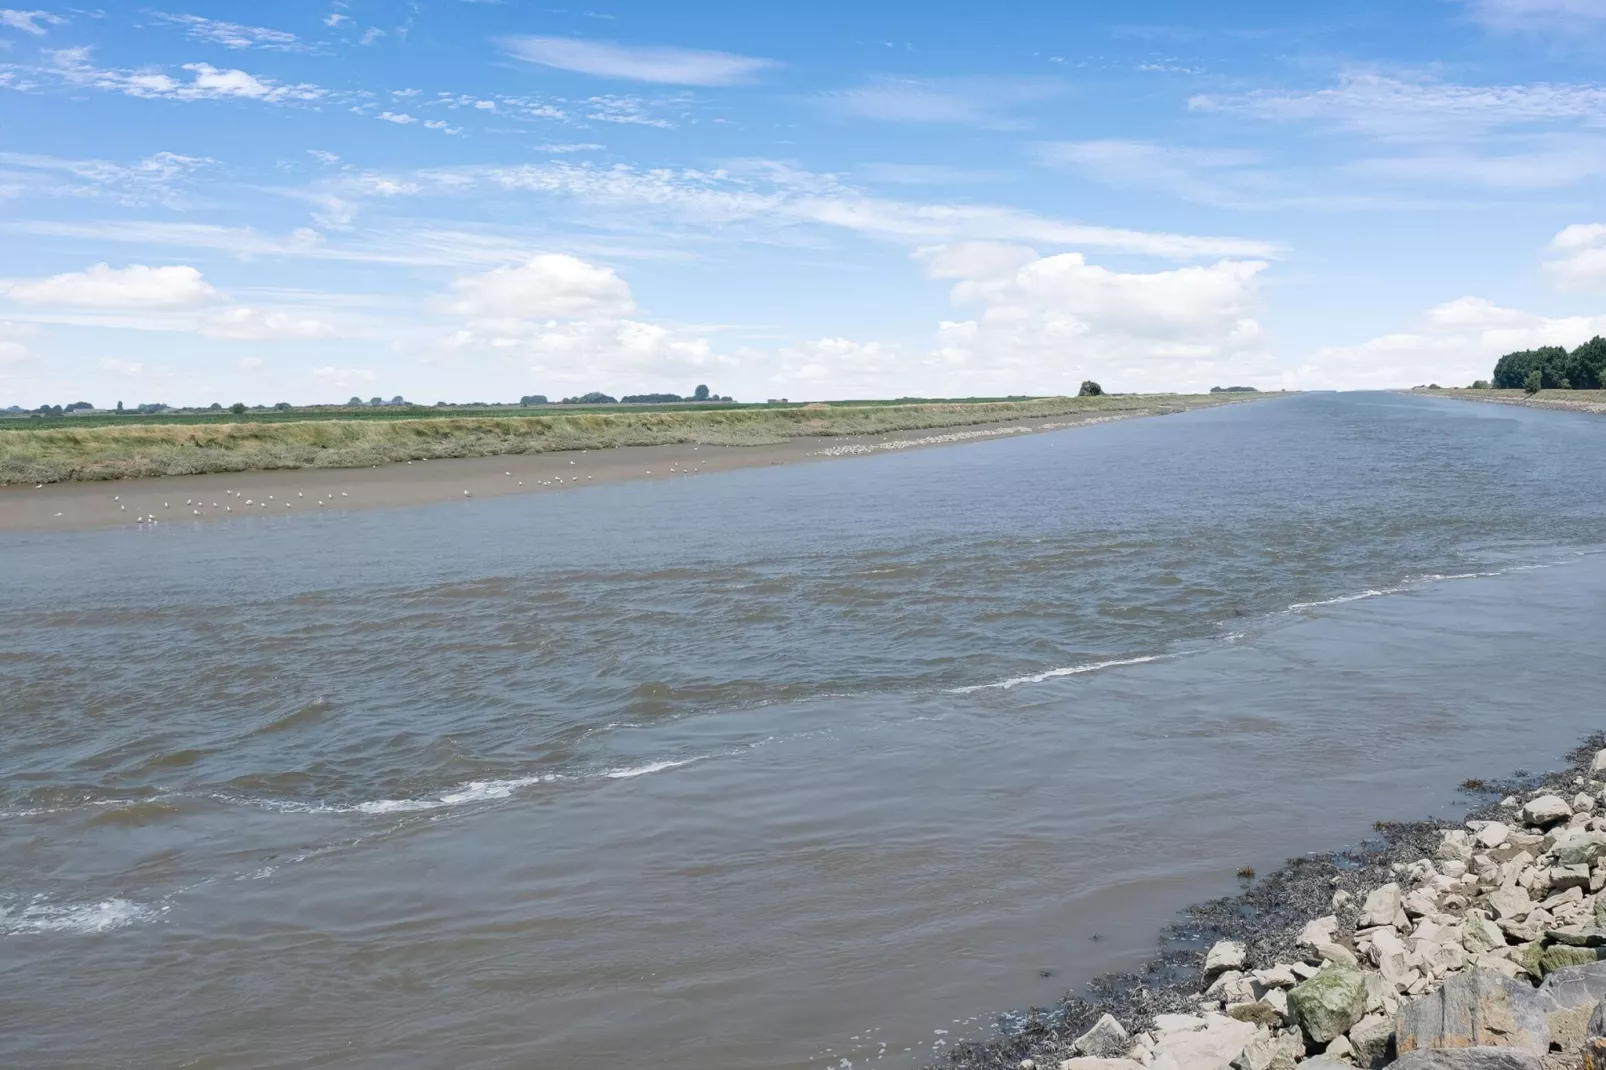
{"x": 1047, "y": 322}
{"x": 642, "y": 63}
{"x": 1454, "y": 344}
{"x": 73, "y": 67}
{"x": 549, "y": 286}
{"x": 104, "y": 287}
{"x": 1579, "y": 260}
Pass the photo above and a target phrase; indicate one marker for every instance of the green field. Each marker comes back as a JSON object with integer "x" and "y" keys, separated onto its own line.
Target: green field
{"x": 51, "y": 450}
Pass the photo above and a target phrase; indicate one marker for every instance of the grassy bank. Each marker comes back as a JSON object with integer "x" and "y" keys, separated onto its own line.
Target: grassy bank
{"x": 1574, "y": 400}
{"x": 124, "y": 450}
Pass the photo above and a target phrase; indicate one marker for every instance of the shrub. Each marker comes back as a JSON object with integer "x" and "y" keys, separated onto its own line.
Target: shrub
{"x": 1090, "y": 389}
{"x": 237, "y": 408}
{"x": 1534, "y": 382}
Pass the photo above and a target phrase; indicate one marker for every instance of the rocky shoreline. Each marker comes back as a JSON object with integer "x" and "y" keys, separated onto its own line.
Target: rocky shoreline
{"x": 1476, "y": 944}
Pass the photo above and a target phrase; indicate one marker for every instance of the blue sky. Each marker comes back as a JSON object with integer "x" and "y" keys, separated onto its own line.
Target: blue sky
{"x": 474, "y": 201}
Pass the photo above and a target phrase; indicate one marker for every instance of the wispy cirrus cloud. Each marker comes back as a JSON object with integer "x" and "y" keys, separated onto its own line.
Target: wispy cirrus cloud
{"x": 982, "y": 102}
{"x": 1545, "y": 15}
{"x": 157, "y": 178}
{"x": 641, "y": 63}
{"x": 33, "y": 22}
{"x": 236, "y": 35}
{"x": 73, "y": 67}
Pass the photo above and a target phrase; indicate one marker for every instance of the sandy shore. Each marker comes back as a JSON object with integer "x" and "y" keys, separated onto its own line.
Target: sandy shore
{"x": 220, "y": 496}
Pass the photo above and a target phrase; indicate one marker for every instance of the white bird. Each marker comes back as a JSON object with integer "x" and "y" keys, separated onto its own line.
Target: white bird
{"x": 197, "y": 512}
{"x": 117, "y": 497}
{"x": 521, "y": 482}
{"x": 166, "y": 506}
{"x": 58, "y": 514}
{"x": 342, "y": 494}
{"x": 507, "y": 473}
{"x": 466, "y": 494}
{"x": 228, "y": 508}
{"x": 300, "y": 495}
{"x": 124, "y": 508}
{"x": 248, "y": 501}
{"x": 188, "y": 502}
{"x": 571, "y": 462}
{"x": 320, "y": 505}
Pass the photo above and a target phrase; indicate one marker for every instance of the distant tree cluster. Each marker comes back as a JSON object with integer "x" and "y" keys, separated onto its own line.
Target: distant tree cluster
{"x": 1553, "y": 368}
{"x": 597, "y": 397}
{"x": 1090, "y": 389}
{"x": 650, "y": 399}
{"x": 533, "y": 399}
{"x": 1233, "y": 390}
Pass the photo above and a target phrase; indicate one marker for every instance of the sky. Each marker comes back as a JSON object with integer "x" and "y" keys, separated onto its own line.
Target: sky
{"x": 474, "y": 201}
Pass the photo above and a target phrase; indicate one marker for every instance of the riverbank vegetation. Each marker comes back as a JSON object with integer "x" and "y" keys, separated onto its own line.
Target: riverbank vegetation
{"x": 73, "y": 450}
{"x": 1553, "y": 368}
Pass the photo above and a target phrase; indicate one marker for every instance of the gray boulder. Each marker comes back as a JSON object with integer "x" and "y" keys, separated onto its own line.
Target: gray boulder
{"x": 1475, "y": 1008}
{"x": 1597, "y": 1021}
{"x": 1329, "y": 1003}
{"x": 1546, "y": 810}
{"x": 1373, "y": 1040}
{"x": 1226, "y": 955}
{"x": 1481, "y": 1058}
{"x": 1106, "y": 1040}
{"x": 1269, "y": 1052}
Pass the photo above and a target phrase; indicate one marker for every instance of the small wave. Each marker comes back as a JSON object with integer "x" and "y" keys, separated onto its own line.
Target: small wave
{"x": 42, "y": 916}
{"x": 1376, "y": 593}
{"x": 1069, "y": 670}
{"x": 643, "y": 770}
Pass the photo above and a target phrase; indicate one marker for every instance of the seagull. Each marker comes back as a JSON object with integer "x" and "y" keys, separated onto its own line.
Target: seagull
{"x": 124, "y": 508}
{"x": 228, "y": 508}
{"x": 507, "y": 473}
{"x": 166, "y": 506}
{"x": 197, "y": 512}
{"x": 466, "y": 494}
{"x": 58, "y": 514}
{"x": 117, "y": 497}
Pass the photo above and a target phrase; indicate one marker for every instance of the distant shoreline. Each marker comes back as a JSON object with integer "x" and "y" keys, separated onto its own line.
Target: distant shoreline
{"x": 83, "y": 504}
{"x": 1592, "y": 401}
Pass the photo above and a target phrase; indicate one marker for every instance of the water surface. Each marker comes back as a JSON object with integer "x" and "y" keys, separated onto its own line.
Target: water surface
{"x": 765, "y": 768}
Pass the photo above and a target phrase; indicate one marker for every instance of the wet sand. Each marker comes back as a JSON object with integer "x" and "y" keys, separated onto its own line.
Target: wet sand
{"x": 221, "y": 496}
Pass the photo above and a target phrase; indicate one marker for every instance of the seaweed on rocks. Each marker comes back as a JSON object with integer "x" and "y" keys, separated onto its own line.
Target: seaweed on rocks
{"x": 1266, "y": 917}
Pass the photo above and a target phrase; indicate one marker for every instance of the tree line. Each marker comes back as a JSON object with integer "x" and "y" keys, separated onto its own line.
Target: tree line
{"x": 1553, "y": 368}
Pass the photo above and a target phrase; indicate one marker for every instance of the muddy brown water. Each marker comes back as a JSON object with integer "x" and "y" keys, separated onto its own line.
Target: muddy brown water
{"x": 808, "y": 766}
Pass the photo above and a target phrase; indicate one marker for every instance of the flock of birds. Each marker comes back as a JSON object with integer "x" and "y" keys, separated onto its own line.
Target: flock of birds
{"x": 195, "y": 506}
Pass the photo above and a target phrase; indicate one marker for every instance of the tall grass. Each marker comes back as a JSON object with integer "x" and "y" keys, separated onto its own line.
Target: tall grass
{"x": 61, "y": 454}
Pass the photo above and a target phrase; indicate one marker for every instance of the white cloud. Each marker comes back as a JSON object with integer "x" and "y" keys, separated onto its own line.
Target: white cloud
{"x": 1454, "y": 344}
{"x": 1048, "y": 322}
{"x": 72, "y": 66}
{"x": 982, "y": 102}
{"x": 134, "y": 287}
{"x": 631, "y": 111}
{"x": 29, "y": 21}
{"x": 12, "y": 347}
{"x": 121, "y": 367}
{"x": 333, "y": 375}
{"x": 1538, "y": 14}
{"x": 261, "y": 325}
{"x": 1370, "y": 102}
{"x": 335, "y": 19}
{"x": 642, "y": 63}
{"x": 552, "y": 285}
{"x": 1579, "y": 262}
{"x": 159, "y": 177}
{"x": 370, "y": 35}
{"x": 234, "y": 35}
{"x": 400, "y": 118}
{"x": 570, "y": 147}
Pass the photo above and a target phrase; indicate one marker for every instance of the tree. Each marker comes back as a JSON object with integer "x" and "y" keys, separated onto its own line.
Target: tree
{"x": 596, "y": 397}
{"x": 119, "y": 408}
{"x": 282, "y": 406}
{"x": 533, "y": 399}
{"x": 398, "y": 400}
{"x": 376, "y": 401}
{"x": 1480, "y": 384}
{"x": 1533, "y": 383}
{"x": 1090, "y": 389}
{"x": 214, "y": 407}
{"x": 700, "y": 394}
{"x": 237, "y": 408}
{"x": 354, "y": 402}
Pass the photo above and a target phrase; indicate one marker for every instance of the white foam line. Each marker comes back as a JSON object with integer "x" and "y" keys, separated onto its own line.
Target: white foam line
{"x": 1069, "y": 670}
{"x": 650, "y": 767}
{"x": 43, "y": 916}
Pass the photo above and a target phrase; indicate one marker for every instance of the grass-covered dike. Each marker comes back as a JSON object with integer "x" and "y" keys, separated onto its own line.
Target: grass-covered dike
{"x": 121, "y": 450}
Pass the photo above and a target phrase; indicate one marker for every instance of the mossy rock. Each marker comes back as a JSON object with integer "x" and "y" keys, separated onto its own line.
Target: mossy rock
{"x": 1560, "y": 956}
{"x": 1329, "y": 1003}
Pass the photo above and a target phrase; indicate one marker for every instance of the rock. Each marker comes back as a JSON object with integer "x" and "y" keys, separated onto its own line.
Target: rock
{"x": 1546, "y": 810}
{"x": 1226, "y": 955}
{"x": 1304, "y": 970}
{"x": 1509, "y": 902}
{"x": 1560, "y": 956}
{"x": 1475, "y": 1008}
{"x": 1423, "y": 902}
{"x": 1341, "y": 1049}
{"x": 1276, "y": 977}
{"x": 1583, "y": 803}
{"x": 1456, "y": 845}
{"x": 1372, "y": 1039}
{"x": 1088, "y": 1062}
{"x": 1492, "y": 834}
{"x": 1317, "y": 931}
{"x": 1577, "y": 936}
{"x": 1579, "y": 848}
{"x": 1324, "y": 1062}
{"x": 1467, "y": 1059}
{"x": 1336, "y": 953}
{"x": 1382, "y": 906}
{"x": 1564, "y": 877}
{"x": 1525, "y": 931}
{"x": 1478, "y": 933}
{"x": 1218, "y": 987}
{"x": 1341, "y": 899}
{"x": 1329, "y": 1003}
{"x": 1595, "y": 1053}
{"x": 1597, "y": 1021}
{"x": 1598, "y": 766}
{"x": 1027, "y": 1064}
{"x": 1277, "y": 1000}
{"x": 1106, "y": 1040}
{"x": 1212, "y": 1045}
{"x": 1392, "y": 960}
{"x": 1268, "y": 1052}
{"x": 1569, "y": 1027}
